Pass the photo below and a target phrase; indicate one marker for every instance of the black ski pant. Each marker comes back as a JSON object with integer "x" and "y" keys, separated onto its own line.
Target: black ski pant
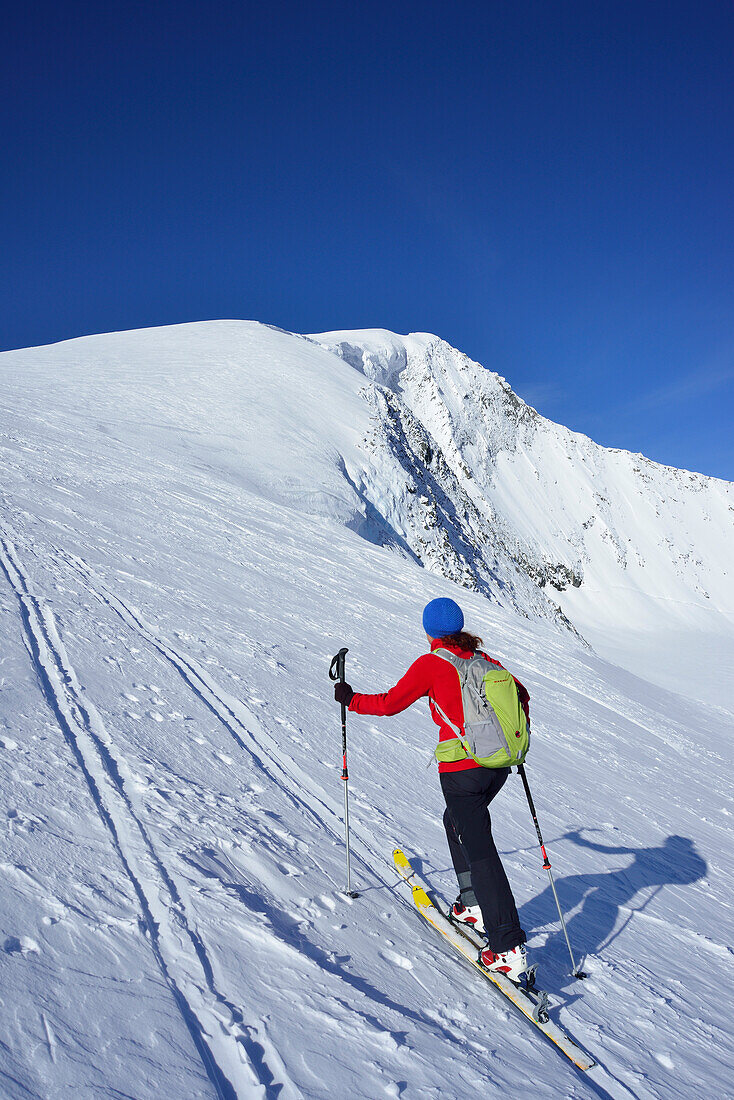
{"x": 476, "y": 860}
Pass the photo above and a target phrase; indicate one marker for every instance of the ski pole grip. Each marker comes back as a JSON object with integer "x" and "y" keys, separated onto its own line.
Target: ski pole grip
{"x": 336, "y": 673}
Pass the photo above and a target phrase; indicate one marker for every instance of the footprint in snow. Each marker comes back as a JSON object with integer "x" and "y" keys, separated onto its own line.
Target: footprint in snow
{"x": 16, "y": 820}
{"x": 22, "y": 945}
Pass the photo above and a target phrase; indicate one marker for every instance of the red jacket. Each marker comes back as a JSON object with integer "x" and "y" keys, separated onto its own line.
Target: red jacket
{"x": 436, "y": 678}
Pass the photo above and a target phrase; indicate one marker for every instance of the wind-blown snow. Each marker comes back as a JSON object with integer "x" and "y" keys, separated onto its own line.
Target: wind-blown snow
{"x": 192, "y": 521}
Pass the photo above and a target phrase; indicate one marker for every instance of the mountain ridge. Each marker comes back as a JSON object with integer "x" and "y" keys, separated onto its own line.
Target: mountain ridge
{"x": 418, "y": 448}
{"x": 617, "y": 540}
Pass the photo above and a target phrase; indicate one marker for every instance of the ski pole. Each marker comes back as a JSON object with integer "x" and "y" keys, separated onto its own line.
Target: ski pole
{"x": 547, "y": 867}
{"x": 336, "y": 672}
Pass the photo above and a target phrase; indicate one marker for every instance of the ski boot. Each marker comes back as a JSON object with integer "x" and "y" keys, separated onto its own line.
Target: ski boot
{"x": 513, "y": 963}
{"x": 471, "y": 915}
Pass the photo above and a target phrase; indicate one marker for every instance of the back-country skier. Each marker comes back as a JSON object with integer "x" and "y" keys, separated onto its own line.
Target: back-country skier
{"x": 485, "y": 898}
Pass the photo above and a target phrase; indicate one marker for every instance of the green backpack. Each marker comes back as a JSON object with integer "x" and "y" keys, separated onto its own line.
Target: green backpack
{"x": 495, "y": 732}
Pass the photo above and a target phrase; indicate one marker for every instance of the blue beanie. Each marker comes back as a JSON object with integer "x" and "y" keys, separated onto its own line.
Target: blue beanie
{"x": 441, "y": 617}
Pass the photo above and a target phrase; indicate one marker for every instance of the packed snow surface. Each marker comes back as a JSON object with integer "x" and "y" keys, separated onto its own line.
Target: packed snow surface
{"x": 192, "y": 522}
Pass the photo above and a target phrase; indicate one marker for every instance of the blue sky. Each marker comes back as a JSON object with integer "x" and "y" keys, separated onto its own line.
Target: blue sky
{"x": 547, "y": 185}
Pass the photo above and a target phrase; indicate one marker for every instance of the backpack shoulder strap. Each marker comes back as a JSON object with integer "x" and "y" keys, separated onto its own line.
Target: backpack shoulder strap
{"x": 447, "y": 655}
{"x": 457, "y": 662}
{"x": 461, "y": 663}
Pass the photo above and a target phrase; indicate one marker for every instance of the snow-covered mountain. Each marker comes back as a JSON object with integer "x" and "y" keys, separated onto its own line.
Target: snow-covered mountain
{"x": 414, "y": 446}
{"x": 486, "y": 491}
{"x": 192, "y": 520}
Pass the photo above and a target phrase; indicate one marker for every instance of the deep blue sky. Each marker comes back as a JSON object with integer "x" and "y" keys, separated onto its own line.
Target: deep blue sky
{"x": 549, "y": 185}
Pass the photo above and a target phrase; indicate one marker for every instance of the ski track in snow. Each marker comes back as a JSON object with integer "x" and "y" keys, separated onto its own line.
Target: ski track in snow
{"x": 82, "y": 726}
{"x": 265, "y": 1071}
{"x": 212, "y": 1018}
{"x": 237, "y": 718}
{"x": 250, "y": 736}
{"x": 228, "y": 1047}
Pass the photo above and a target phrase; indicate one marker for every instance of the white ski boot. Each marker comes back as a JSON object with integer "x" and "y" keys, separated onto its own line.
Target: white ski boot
{"x": 470, "y": 915}
{"x": 512, "y": 963}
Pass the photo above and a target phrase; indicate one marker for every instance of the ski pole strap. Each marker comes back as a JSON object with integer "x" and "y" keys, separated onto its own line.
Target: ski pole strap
{"x": 336, "y": 670}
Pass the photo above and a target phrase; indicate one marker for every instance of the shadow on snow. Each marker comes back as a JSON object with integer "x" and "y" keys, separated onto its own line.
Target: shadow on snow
{"x": 597, "y": 900}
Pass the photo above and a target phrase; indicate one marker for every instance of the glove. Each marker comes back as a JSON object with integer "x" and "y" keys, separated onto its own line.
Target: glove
{"x": 343, "y": 693}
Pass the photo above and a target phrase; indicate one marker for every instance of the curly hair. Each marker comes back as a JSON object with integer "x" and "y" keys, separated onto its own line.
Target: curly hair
{"x": 462, "y": 640}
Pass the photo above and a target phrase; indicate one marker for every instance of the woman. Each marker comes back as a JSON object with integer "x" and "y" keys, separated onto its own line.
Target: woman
{"x": 485, "y": 899}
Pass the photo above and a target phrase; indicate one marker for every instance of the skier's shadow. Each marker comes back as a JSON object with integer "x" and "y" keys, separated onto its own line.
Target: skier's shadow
{"x": 603, "y": 896}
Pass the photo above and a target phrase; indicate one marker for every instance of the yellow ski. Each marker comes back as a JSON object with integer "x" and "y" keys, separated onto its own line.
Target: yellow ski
{"x": 532, "y": 1003}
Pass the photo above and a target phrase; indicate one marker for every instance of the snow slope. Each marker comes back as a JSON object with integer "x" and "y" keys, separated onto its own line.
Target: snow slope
{"x": 183, "y": 516}
{"x": 637, "y": 555}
